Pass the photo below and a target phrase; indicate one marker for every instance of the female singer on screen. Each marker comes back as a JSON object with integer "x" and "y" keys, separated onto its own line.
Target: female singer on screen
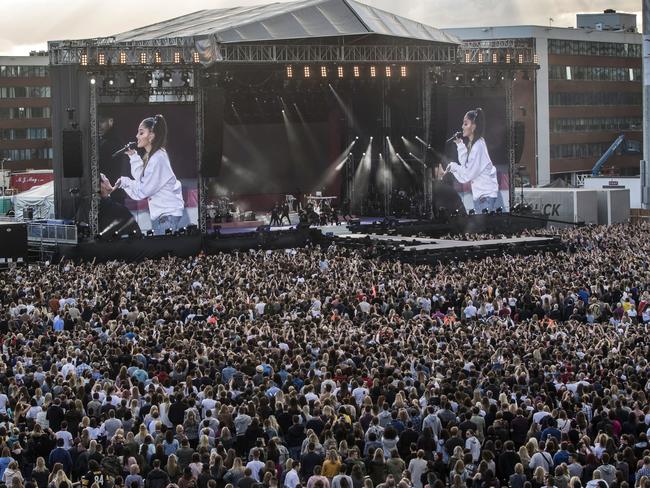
{"x": 475, "y": 166}
{"x": 153, "y": 177}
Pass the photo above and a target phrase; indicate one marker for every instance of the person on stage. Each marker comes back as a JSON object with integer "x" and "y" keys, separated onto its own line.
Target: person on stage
{"x": 153, "y": 177}
{"x": 475, "y": 166}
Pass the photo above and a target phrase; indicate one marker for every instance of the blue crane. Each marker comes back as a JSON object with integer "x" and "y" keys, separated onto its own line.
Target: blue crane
{"x": 595, "y": 171}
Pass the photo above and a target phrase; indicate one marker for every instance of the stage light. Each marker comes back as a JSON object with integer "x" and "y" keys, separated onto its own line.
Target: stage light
{"x": 307, "y": 71}
{"x": 186, "y": 78}
{"x": 122, "y": 57}
{"x": 499, "y": 210}
{"x": 467, "y": 57}
{"x": 150, "y": 233}
{"x": 323, "y": 71}
{"x": 289, "y": 71}
{"x": 472, "y": 212}
{"x": 149, "y": 77}
{"x": 389, "y": 72}
{"x": 457, "y": 78}
{"x": 480, "y": 57}
{"x": 110, "y": 80}
{"x": 536, "y": 58}
{"x": 101, "y": 59}
{"x": 157, "y": 58}
{"x": 402, "y": 71}
{"x": 93, "y": 80}
{"x": 340, "y": 71}
{"x": 177, "y": 58}
{"x": 195, "y": 57}
{"x": 131, "y": 77}
{"x": 485, "y": 211}
{"x": 508, "y": 58}
{"x": 373, "y": 72}
{"x": 495, "y": 58}
{"x": 169, "y": 232}
{"x": 84, "y": 59}
{"x": 520, "y": 59}
{"x": 143, "y": 58}
{"x": 168, "y": 77}
{"x": 357, "y": 72}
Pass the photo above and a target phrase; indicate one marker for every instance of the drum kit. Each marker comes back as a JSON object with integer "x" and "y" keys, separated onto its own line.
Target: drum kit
{"x": 220, "y": 208}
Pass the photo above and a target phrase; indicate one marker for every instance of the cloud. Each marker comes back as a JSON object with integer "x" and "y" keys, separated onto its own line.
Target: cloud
{"x": 34, "y": 22}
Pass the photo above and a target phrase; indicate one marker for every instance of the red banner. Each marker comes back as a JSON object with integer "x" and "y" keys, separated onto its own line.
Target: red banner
{"x": 24, "y": 181}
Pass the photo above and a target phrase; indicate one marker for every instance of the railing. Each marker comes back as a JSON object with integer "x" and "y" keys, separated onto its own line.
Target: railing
{"x": 44, "y": 233}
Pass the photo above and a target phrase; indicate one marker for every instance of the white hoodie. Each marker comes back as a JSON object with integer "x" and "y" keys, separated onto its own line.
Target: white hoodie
{"x": 157, "y": 184}
{"x": 476, "y": 168}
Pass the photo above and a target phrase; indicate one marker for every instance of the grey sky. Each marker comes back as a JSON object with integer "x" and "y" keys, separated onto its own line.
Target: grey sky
{"x": 29, "y": 24}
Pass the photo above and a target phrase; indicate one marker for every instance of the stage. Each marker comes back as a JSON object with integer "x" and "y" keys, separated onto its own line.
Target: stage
{"x": 394, "y": 245}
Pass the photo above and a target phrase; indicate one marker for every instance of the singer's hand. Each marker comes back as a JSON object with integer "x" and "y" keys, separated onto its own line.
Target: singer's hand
{"x": 130, "y": 152}
{"x": 458, "y": 140}
{"x": 105, "y": 188}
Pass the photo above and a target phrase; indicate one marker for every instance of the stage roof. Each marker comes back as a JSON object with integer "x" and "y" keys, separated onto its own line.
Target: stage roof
{"x": 288, "y": 21}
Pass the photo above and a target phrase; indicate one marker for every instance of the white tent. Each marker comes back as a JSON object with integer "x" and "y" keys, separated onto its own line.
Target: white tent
{"x": 39, "y": 198}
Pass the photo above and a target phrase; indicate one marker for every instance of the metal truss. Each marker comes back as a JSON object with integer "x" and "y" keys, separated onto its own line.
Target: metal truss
{"x": 201, "y": 181}
{"x": 508, "y": 51}
{"x": 94, "y": 165}
{"x": 174, "y": 52}
{"x": 510, "y": 125}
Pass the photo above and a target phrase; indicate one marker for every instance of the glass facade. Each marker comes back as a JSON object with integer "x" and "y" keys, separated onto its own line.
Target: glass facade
{"x": 593, "y": 73}
{"x": 24, "y": 92}
{"x": 24, "y": 71}
{"x": 591, "y": 48}
{"x": 591, "y": 124}
{"x": 593, "y": 150}
{"x": 595, "y": 98}
{"x": 26, "y": 154}
{"x": 31, "y": 133}
{"x": 24, "y": 112}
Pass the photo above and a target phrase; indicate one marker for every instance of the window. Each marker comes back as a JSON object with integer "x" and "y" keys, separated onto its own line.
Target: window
{"x": 24, "y": 91}
{"x": 591, "y": 150}
{"x": 24, "y": 113}
{"x": 24, "y": 71}
{"x": 594, "y": 73}
{"x": 595, "y": 98}
{"x": 596, "y": 124}
{"x": 27, "y": 154}
{"x": 591, "y": 48}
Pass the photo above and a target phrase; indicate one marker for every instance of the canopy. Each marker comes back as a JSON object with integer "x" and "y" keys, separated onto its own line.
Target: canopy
{"x": 39, "y": 198}
{"x": 302, "y": 19}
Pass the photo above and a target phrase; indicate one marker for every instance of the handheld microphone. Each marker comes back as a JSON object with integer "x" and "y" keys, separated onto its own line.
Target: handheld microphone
{"x": 129, "y": 146}
{"x": 455, "y": 136}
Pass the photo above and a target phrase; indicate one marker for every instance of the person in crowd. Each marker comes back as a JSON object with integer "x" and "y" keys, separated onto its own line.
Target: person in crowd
{"x": 142, "y": 387}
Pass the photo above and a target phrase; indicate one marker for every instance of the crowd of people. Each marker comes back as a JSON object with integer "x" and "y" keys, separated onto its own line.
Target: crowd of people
{"x": 327, "y": 368}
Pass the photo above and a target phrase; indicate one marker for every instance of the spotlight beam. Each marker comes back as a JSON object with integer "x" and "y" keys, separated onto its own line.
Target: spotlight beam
{"x": 346, "y": 110}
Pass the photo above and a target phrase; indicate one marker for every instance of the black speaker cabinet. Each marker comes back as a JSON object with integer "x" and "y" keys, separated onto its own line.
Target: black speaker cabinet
{"x": 213, "y": 108}
{"x": 13, "y": 243}
{"x": 72, "y": 154}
